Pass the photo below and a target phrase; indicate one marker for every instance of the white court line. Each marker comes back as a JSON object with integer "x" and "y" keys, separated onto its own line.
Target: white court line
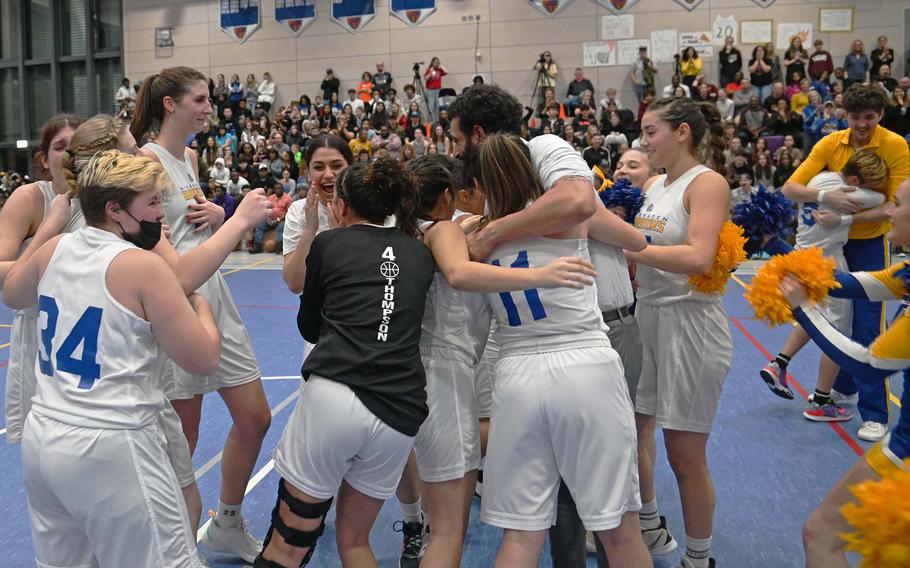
{"x": 254, "y": 481}
{"x": 217, "y": 457}
{"x": 2, "y": 432}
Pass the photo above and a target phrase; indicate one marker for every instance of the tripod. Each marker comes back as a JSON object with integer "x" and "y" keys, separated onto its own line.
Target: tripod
{"x": 420, "y": 91}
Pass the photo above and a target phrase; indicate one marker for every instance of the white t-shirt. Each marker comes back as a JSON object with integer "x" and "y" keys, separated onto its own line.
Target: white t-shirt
{"x": 295, "y": 223}
{"x": 810, "y": 233}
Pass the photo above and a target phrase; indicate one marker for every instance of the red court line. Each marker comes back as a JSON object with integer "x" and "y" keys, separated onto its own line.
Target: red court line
{"x": 838, "y": 429}
{"x": 267, "y": 307}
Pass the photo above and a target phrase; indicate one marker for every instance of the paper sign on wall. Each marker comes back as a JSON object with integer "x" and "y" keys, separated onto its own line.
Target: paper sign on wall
{"x": 627, "y": 50}
{"x": 599, "y": 53}
{"x": 701, "y": 41}
{"x": 617, "y": 27}
{"x": 787, "y": 31}
{"x": 664, "y": 45}
{"x": 724, "y": 27}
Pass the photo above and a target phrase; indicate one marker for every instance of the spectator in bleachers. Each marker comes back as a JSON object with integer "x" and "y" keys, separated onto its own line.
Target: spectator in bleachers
{"x": 251, "y": 91}
{"x": 642, "y": 73}
{"x": 243, "y": 110}
{"x": 288, "y": 184}
{"x": 334, "y": 102}
{"x": 330, "y": 84}
{"x": 739, "y": 166}
{"x": 411, "y": 97}
{"x": 897, "y": 112}
{"x": 856, "y": 65}
{"x": 354, "y": 100}
{"x": 220, "y": 88}
{"x": 704, "y": 92}
{"x": 881, "y": 55}
{"x": 690, "y": 66}
{"x": 820, "y": 62}
{"x": 676, "y": 81}
{"x": 387, "y": 140}
{"x": 730, "y": 60}
{"x": 645, "y": 103}
{"x": 326, "y": 118}
{"x": 724, "y": 105}
{"x": 753, "y": 121}
{"x": 734, "y": 86}
{"x": 569, "y": 135}
{"x": 363, "y": 143}
{"x": 743, "y": 97}
{"x": 764, "y": 171}
{"x": 611, "y": 96}
{"x": 236, "y": 183}
{"x": 407, "y": 152}
{"x": 419, "y": 143}
{"x": 552, "y": 120}
{"x": 280, "y": 203}
{"x": 585, "y": 117}
{"x": 266, "y": 92}
{"x": 884, "y": 78}
{"x": 784, "y": 121}
{"x": 382, "y": 79}
{"x": 761, "y": 71}
{"x": 577, "y": 85}
{"x": 547, "y": 71}
{"x": 795, "y": 59}
{"x": 784, "y": 169}
{"x": 596, "y": 154}
{"x": 775, "y": 62}
{"x": 235, "y": 91}
{"x": 440, "y": 139}
{"x": 225, "y": 200}
{"x": 799, "y": 98}
{"x": 209, "y": 154}
{"x": 412, "y": 125}
{"x": 219, "y": 175}
{"x": 126, "y": 94}
{"x": 789, "y": 148}
{"x": 433, "y": 78}
{"x": 263, "y": 179}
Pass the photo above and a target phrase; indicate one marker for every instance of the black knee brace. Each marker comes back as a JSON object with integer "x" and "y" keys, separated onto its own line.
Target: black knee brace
{"x": 292, "y": 536}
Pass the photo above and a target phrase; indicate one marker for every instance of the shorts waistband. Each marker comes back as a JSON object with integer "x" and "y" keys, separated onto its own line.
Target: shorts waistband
{"x": 448, "y": 353}
{"x": 562, "y": 342}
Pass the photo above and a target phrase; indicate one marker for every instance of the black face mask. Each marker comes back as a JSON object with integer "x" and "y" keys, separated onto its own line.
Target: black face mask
{"x": 148, "y": 236}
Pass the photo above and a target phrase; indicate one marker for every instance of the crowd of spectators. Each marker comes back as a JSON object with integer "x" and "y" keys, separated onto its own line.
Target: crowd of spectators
{"x": 775, "y": 107}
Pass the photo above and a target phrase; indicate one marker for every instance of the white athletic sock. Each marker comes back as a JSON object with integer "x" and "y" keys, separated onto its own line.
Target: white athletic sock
{"x": 228, "y": 515}
{"x": 698, "y": 552}
{"x": 411, "y": 512}
{"x": 650, "y": 518}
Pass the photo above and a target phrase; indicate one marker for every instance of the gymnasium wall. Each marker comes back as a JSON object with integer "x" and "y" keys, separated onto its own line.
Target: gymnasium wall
{"x": 510, "y": 36}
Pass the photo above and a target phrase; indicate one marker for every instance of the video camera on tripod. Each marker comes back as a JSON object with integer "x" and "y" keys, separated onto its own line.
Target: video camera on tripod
{"x": 416, "y": 67}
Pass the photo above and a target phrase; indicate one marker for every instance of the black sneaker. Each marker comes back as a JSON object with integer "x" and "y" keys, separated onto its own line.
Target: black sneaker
{"x": 684, "y": 564}
{"x": 411, "y": 543}
{"x": 478, "y": 487}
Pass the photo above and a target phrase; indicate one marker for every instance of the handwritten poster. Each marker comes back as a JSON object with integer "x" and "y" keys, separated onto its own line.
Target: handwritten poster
{"x": 755, "y": 31}
{"x": 617, "y": 27}
{"x": 627, "y": 50}
{"x": 787, "y": 31}
{"x": 600, "y": 53}
{"x": 664, "y": 45}
{"x": 701, "y": 41}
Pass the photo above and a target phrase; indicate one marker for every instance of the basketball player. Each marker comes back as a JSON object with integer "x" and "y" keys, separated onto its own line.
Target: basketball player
{"x": 889, "y": 353}
{"x": 178, "y": 99}
{"x": 20, "y": 218}
{"x": 687, "y": 346}
{"x": 105, "y": 132}
{"x": 447, "y": 444}
{"x": 326, "y": 157}
{"x": 353, "y": 427}
{"x": 97, "y": 408}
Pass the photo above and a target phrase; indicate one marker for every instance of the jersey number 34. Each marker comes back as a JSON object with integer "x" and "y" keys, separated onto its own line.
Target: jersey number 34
{"x": 85, "y": 332}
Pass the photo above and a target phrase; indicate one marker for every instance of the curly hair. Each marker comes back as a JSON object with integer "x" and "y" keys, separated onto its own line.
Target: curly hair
{"x": 489, "y": 107}
{"x": 380, "y": 189}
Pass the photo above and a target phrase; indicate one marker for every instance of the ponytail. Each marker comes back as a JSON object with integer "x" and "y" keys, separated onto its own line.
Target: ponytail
{"x": 172, "y": 82}
{"x": 712, "y": 148}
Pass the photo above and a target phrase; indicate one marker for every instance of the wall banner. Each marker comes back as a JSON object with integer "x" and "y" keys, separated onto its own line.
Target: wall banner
{"x": 239, "y": 18}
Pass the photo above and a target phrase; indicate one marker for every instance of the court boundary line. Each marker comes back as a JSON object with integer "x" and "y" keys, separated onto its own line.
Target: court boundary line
{"x": 894, "y": 400}
{"x": 838, "y": 429}
{"x": 247, "y": 266}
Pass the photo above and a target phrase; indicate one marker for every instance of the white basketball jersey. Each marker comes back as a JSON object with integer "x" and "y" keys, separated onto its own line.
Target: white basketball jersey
{"x": 98, "y": 365}
{"x": 810, "y": 233}
{"x": 664, "y": 221}
{"x": 185, "y": 189}
{"x": 453, "y": 320}
{"x": 537, "y": 314}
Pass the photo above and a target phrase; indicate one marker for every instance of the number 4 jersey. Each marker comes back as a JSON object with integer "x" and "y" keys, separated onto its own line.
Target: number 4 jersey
{"x": 98, "y": 364}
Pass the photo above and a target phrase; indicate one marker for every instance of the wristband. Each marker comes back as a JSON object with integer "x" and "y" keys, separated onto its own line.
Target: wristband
{"x": 821, "y": 195}
{"x": 846, "y": 220}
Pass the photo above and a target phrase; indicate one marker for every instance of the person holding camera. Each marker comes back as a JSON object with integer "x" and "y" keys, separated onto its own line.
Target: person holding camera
{"x": 546, "y": 73}
{"x": 433, "y": 77}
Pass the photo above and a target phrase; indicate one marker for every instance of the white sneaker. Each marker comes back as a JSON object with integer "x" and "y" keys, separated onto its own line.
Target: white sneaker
{"x": 872, "y": 431}
{"x": 659, "y": 540}
{"x": 234, "y": 540}
{"x": 841, "y": 398}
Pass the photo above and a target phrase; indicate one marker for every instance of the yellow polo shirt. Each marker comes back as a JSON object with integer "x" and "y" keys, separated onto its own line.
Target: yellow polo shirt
{"x": 357, "y": 147}
{"x": 832, "y": 152}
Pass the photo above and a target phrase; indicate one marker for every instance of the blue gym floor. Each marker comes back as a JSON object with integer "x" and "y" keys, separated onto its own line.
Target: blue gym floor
{"x": 771, "y": 466}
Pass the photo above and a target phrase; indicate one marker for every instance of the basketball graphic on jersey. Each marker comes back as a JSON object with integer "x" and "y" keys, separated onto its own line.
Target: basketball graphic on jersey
{"x": 389, "y": 269}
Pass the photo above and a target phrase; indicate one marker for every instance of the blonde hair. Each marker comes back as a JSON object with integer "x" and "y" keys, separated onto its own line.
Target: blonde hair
{"x": 502, "y": 165}
{"x": 115, "y": 176}
{"x": 100, "y": 132}
{"x": 869, "y": 167}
